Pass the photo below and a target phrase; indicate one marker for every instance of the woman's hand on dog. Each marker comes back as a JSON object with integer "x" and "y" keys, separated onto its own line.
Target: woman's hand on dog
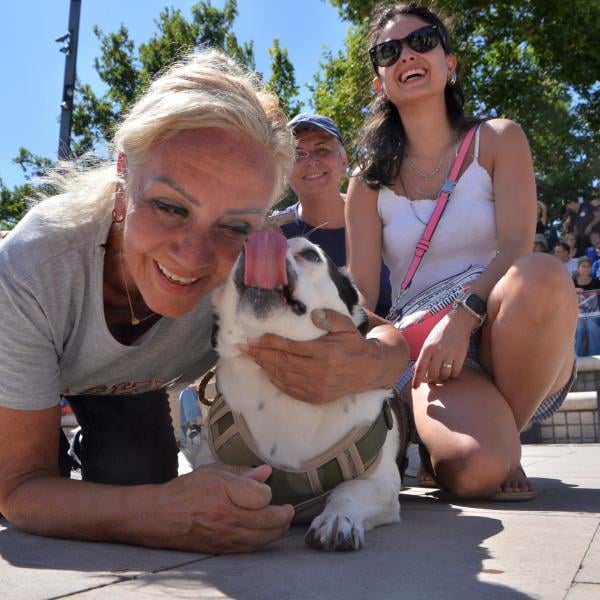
{"x": 220, "y": 509}
{"x": 338, "y": 364}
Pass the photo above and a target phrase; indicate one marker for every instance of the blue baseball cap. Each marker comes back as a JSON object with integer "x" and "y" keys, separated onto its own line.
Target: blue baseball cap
{"x": 325, "y": 124}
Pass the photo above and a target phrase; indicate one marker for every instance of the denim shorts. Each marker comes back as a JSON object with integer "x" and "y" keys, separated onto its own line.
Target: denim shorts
{"x": 546, "y": 409}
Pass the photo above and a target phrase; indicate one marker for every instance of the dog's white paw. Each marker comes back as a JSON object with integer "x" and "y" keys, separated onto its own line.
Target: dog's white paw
{"x": 335, "y": 531}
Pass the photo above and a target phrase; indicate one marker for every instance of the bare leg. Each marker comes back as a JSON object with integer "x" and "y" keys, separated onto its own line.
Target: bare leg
{"x": 470, "y": 433}
{"x": 537, "y": 299}
{"x": 471, "y": 425}
{"x": 527, "y": 343}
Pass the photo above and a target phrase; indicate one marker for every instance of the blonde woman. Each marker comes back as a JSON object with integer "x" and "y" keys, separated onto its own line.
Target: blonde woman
{"x": 111, "y": 309}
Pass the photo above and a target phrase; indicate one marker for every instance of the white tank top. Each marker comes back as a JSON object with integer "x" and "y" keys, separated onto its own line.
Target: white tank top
{"x": 465, "y": 236}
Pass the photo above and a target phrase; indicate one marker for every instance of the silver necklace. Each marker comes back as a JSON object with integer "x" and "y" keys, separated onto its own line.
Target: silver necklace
{"x": 426, "y": 174}
{"x": 411, "y": 202}
{"x": 428, "y": 195}
{"x": 414, "y": 212}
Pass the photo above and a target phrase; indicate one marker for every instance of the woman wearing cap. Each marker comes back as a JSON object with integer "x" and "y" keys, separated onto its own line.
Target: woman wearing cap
{"x": 112, "y": 310}
{"x": 504, "y": 355}
{"x": 318, "y": 215}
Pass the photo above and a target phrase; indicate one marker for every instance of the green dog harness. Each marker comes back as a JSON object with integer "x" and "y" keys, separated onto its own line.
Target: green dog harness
{"x": 355, "y": 455}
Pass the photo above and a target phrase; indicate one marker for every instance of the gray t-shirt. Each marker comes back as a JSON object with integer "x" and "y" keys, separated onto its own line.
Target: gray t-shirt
{"x": 53, "y": 335}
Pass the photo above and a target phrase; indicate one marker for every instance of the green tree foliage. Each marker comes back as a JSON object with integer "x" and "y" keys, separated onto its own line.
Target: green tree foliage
{"x": 283, "y": 80}
{"x": 342, "y": 89}
{"x": 531, "y": 61}
{"x": 13, "y": 203}
{"x": 126, "y": 72}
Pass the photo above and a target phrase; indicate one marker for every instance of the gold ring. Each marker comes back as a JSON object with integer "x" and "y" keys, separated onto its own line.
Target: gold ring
{"x": 447, "y": 365}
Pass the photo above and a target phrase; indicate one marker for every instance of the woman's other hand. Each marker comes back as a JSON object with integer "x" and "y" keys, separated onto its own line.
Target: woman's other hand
{"x": 443, "y": 354}
{"x": 218, "y": 509}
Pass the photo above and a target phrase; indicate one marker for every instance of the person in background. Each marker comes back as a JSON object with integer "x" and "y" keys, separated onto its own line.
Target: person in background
{"x": 593, "y": 250}
{"x": 587, "y": 337}
{"x": 542, "y": 217}
{"x": 540, "y": 244}
{"x": 561, "y": 251}
{"x": 315, "y": 179}
{"x": 545, "y": 227}
{"x": 582, "y": 218}
{"x": 595, "y": 261}
{"x": 571, "y": 240}
{"x": 505, "y": 354}
{"x": 137, "y": 245}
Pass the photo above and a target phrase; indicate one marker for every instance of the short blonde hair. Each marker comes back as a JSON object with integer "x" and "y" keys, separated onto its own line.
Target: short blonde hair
{"x": 206, "y": 89}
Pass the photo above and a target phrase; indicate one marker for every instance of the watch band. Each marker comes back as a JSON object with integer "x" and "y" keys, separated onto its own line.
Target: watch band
{"x": 476, "y": 315}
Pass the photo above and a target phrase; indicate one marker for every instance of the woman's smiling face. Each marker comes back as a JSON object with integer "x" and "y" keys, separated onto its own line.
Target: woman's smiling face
{"x": 414, "y": 73}
{"x": 189, "y": 211}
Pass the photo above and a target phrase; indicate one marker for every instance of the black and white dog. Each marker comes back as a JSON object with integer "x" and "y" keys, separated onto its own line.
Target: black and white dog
{"x": 340, "y": 447}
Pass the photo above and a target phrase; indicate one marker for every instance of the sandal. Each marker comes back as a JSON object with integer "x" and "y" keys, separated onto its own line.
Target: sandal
{"x": 425, "y": 476}
{"x": 514, "y": 495}
{"x": 401, "y": 412}
{"x": 425, "y": 479}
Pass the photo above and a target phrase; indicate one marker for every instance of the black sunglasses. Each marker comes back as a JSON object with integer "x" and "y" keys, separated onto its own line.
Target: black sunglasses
{"x": 422, "y": 40}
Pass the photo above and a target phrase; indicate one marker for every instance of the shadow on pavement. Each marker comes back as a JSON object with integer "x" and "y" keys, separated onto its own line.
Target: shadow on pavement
{"x": 554, "y": 495}
{"x": 431, "y": 554}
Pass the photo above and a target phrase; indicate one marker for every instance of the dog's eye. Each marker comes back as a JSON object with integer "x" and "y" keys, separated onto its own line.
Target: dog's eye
{"x": 311, "y": 255}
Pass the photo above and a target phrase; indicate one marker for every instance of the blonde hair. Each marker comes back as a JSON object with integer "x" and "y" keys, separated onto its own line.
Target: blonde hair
{"x": 206, "y": 89}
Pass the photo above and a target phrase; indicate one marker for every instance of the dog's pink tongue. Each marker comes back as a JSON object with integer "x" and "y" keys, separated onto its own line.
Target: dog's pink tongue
{"x": 266, "y": 252}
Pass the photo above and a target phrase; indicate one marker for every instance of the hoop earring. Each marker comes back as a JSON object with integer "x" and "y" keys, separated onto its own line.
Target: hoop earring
{"x": 452, "y": 79}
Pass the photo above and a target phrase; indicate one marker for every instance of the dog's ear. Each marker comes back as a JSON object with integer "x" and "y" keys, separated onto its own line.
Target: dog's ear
{"x": 347, "y": 291}
{"x": 344, "y": 285}
{"x": 215, "y": 331}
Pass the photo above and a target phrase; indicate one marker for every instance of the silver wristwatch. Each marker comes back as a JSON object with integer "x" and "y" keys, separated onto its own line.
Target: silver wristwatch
{"x": 475, "y": 306}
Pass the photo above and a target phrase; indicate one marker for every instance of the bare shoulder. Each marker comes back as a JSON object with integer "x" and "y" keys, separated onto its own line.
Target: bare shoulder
{"x": 359, "y": 191}
{"x": 502, "y": 132}
{"x": 501, "y": 139}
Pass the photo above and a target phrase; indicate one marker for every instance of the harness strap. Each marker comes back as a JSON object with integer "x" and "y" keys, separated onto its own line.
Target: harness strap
{"x": 355, "y": 455}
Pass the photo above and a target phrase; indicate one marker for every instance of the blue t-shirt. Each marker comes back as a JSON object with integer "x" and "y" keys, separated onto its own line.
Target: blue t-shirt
{"x": 333, "y": 241}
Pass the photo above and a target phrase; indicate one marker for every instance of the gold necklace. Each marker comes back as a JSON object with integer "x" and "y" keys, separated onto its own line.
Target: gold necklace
{"x": 134, "y": 319}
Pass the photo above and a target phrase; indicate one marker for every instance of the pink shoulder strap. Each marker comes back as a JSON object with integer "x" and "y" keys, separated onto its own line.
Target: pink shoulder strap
{"x": 447, "y": 188}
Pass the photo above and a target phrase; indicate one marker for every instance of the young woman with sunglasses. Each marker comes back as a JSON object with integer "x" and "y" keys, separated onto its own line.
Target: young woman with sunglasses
{"x": 481, "y": 376}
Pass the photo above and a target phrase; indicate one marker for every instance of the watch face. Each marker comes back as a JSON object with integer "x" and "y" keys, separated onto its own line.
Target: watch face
{"x": 476, "y": 304}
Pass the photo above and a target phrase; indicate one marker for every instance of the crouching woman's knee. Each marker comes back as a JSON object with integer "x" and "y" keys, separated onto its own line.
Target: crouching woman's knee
{"x": 539, "y": 284}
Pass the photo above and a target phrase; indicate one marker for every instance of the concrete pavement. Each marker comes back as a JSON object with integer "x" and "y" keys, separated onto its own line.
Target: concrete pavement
{"x": 548, "y": 548}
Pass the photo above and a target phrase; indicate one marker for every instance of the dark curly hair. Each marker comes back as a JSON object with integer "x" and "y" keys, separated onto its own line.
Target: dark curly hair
{"x": 381, "y": 140}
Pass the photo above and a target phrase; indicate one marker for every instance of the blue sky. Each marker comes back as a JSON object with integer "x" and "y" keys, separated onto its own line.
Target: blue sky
{"x": 33, "y": 68}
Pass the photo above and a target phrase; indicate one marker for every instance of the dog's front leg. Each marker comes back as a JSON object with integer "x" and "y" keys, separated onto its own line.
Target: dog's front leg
{"x": 357, "y": 506}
